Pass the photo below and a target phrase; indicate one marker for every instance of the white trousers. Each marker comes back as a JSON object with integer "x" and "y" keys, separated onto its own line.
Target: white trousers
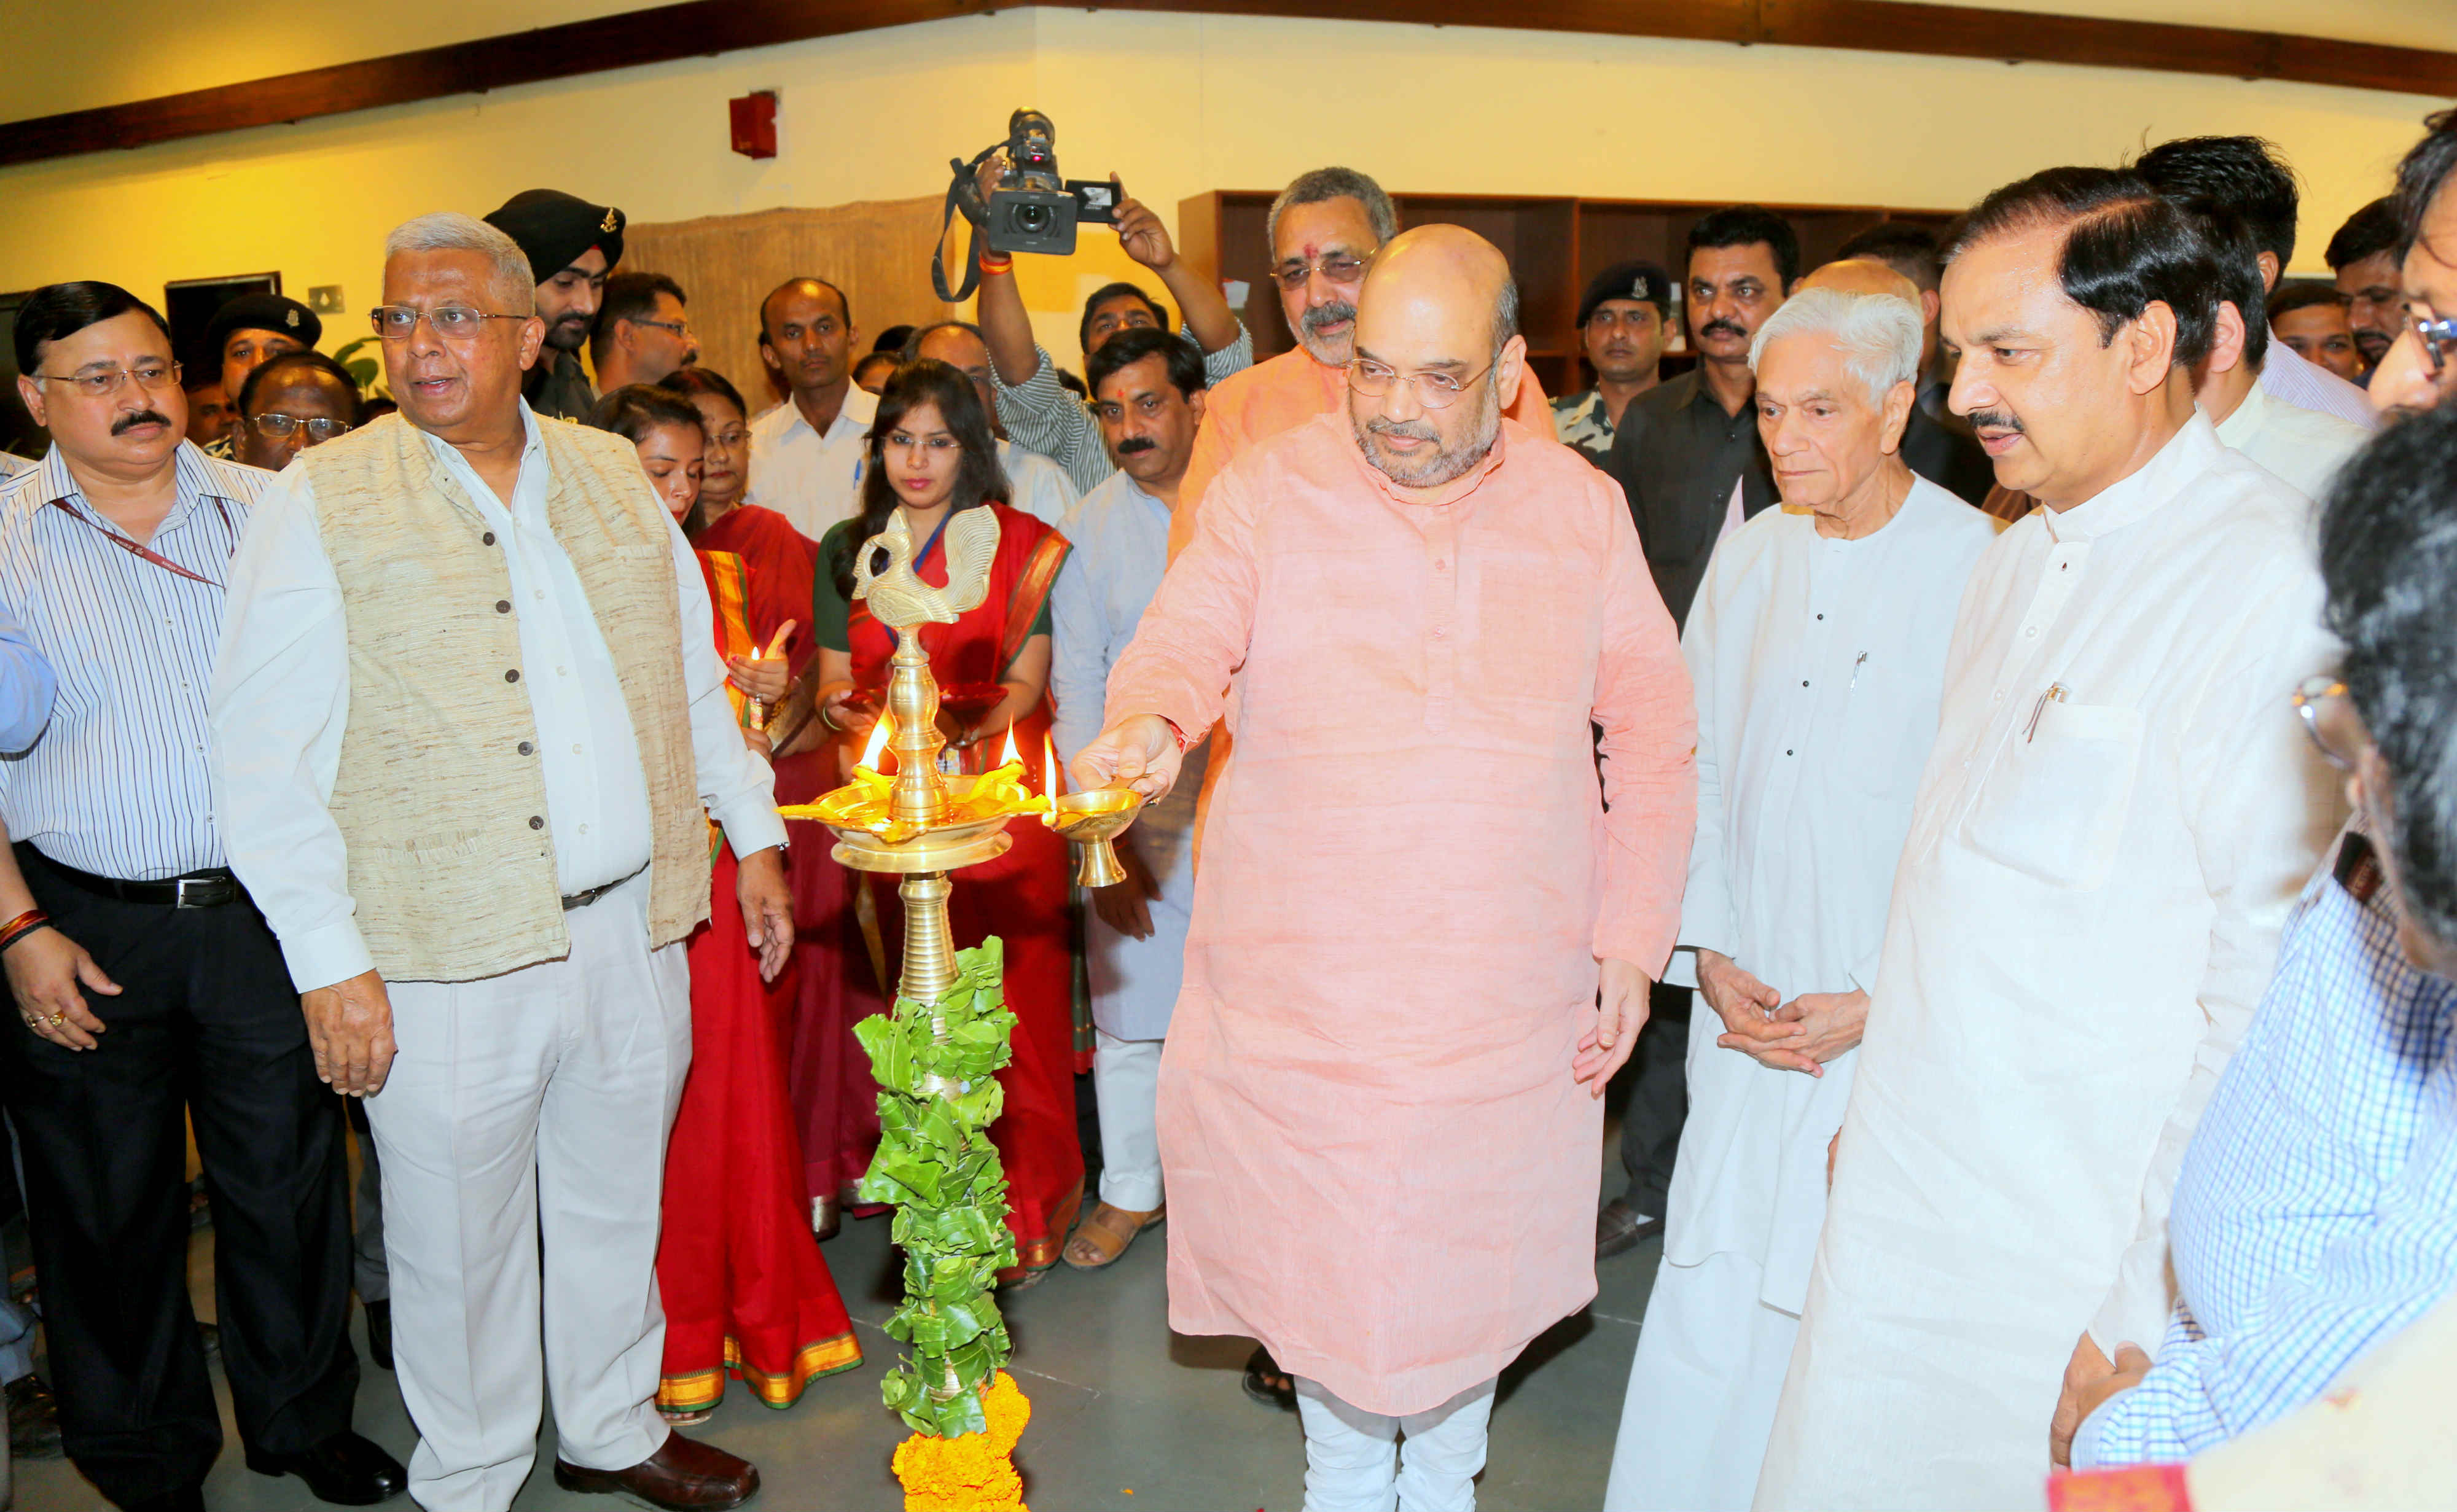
{"x": 1702, "y": 1389}
{"x": 1355, "y": 1462}
{"x": 1125, "y": 1084}
{"x": 524, "y": 1121}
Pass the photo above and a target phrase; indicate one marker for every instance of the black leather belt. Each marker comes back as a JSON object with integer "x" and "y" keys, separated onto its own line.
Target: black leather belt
{"x": 210, "y": 889}
{"x": 582, "y": 900}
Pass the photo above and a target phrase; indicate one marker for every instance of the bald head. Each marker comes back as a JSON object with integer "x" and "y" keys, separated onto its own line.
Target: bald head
{"x": 1868, "y": 276}
{"x": 1863, "y": 275}
{"x": 1446, "y": 267}
{"x": 1439, "y": 355}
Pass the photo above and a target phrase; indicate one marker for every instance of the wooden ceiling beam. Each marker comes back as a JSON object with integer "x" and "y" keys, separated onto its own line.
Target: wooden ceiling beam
{"x": 703, "y": 28}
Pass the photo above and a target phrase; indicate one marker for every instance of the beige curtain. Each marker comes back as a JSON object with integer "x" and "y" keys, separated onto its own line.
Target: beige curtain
{"x": 876, "y": 252}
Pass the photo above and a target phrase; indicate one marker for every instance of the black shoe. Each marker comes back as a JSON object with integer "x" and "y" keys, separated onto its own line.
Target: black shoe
{"x": 34, "y": 1419}
{"x": 187, "y": 1498}
{"x": 345, "y": 1469}
{"x": 1621, "y": 1227}
{"x": 380, "y": 1334}
{"x": 1267, "y": 1384}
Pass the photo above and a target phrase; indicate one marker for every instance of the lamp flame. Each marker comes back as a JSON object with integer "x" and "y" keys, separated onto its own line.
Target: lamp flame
{"x": 1049, "y": 780}
{"x": 1007, "y": 756}
{"x": 881, "y": 734}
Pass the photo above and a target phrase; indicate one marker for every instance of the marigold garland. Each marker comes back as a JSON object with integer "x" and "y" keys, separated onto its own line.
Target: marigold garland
{"x": 974, "y": 1473}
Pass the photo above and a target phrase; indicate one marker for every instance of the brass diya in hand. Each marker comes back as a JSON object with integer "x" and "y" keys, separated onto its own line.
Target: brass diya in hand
{"x": 1092, "y": 821}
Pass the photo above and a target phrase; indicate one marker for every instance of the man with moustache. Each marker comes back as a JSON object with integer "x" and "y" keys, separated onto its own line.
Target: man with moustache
{"x": 1621, "y": 326}
{"x": 1324, "y": 230}
{"x": 2114, "y": 822}
{"x": 1039, "y": 411}
{"x": 2363, "y": 255}
{"x": 806, "y": 453}
{"x": 150, "y": 996}
{"x": 1680, "y": 451}
{"x": 1343, "y": 1081}
{"x": 1147, "y": 389}
{"x": 471, "y": 732}
{"x": 1688, "y": 458}
{"x": 2287, "y": 1265}
{"x": 573, "y": 245}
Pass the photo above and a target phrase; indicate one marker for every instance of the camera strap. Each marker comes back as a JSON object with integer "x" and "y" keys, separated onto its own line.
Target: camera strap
{"x": 962, "y": 197}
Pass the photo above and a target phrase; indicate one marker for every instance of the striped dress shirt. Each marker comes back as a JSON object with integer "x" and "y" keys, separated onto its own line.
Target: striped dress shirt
{"x": 117, "y": 782}
{"x": 2317, "y": 1211}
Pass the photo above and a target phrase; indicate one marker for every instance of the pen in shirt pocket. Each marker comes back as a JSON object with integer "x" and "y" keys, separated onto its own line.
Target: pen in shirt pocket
{"x": 2055, "y": 694}
{"x": 1855, "y": 672}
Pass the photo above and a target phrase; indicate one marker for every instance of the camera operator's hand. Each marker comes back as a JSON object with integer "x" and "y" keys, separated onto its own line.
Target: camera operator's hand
{"x": 986, "y": 176}
{"x": 1141, "y": 234}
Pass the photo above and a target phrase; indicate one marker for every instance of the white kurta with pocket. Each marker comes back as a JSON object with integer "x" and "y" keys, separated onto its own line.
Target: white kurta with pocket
{"x": 2116, "y": 816}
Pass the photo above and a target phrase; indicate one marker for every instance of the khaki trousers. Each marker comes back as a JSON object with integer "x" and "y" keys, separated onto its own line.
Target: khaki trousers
{"x": 523, "y": 1131}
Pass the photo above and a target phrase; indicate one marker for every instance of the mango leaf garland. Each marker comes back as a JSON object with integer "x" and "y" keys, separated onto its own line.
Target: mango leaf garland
{"x": 937, "y": 1065}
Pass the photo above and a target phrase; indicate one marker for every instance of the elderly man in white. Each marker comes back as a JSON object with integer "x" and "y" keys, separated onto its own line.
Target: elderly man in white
{"x": 1817, "y": 648}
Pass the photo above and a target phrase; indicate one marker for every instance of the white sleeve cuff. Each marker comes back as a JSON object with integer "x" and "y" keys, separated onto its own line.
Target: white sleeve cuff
{"x": 333, "y": 952}
{"x": 752, "y": 823}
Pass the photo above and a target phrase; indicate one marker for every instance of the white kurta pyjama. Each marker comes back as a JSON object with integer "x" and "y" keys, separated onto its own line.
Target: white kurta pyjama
{"x": 1818, "y": 666}
{"x": 2118, "y": 811}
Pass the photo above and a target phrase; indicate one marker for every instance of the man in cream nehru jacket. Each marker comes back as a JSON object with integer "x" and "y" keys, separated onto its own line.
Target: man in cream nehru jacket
{"x": 466, "y": 717}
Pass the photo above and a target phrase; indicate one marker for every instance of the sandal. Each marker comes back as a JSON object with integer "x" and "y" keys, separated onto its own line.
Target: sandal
{"x": 1267, "y": 1384}
{"x": 1101, "y": 1241}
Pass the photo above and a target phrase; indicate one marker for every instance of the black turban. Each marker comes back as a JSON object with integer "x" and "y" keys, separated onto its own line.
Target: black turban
{"x": 262, "y": 312}
{"x": 556, "y": 230}
{"x": 1642, "y": 281}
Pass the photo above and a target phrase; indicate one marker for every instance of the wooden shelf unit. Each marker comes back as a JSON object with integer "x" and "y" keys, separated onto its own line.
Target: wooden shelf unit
{"x": 1555, "y": 245}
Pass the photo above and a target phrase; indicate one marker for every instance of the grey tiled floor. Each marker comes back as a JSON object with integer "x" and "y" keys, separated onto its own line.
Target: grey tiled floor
{"x": 1126, "y": 1413}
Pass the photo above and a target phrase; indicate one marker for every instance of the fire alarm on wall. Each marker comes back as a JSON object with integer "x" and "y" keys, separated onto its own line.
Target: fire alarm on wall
{"x": 754, "y": 124}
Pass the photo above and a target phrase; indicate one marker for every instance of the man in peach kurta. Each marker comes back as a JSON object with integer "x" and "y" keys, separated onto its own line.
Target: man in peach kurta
{"x": 1324, "y": 230}
{"x": 1423, "y": 933}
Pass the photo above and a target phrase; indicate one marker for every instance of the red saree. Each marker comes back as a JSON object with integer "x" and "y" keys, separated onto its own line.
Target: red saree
{"x": 1021, "y": 897}
{"x": 745, "y": 1292}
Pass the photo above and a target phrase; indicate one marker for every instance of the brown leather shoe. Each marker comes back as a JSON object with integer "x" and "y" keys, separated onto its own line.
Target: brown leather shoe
{"x": 685, "y": 1473}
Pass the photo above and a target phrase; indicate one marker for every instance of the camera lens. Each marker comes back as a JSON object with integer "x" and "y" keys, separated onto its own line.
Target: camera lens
{"x": 1032, "y": 219}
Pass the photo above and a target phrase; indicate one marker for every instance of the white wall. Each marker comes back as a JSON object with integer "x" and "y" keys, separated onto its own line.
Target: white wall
{"x": 1176, "y": 104}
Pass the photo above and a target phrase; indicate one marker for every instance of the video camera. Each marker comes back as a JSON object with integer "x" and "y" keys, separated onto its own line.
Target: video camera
{"x": 1030, "y": 209}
